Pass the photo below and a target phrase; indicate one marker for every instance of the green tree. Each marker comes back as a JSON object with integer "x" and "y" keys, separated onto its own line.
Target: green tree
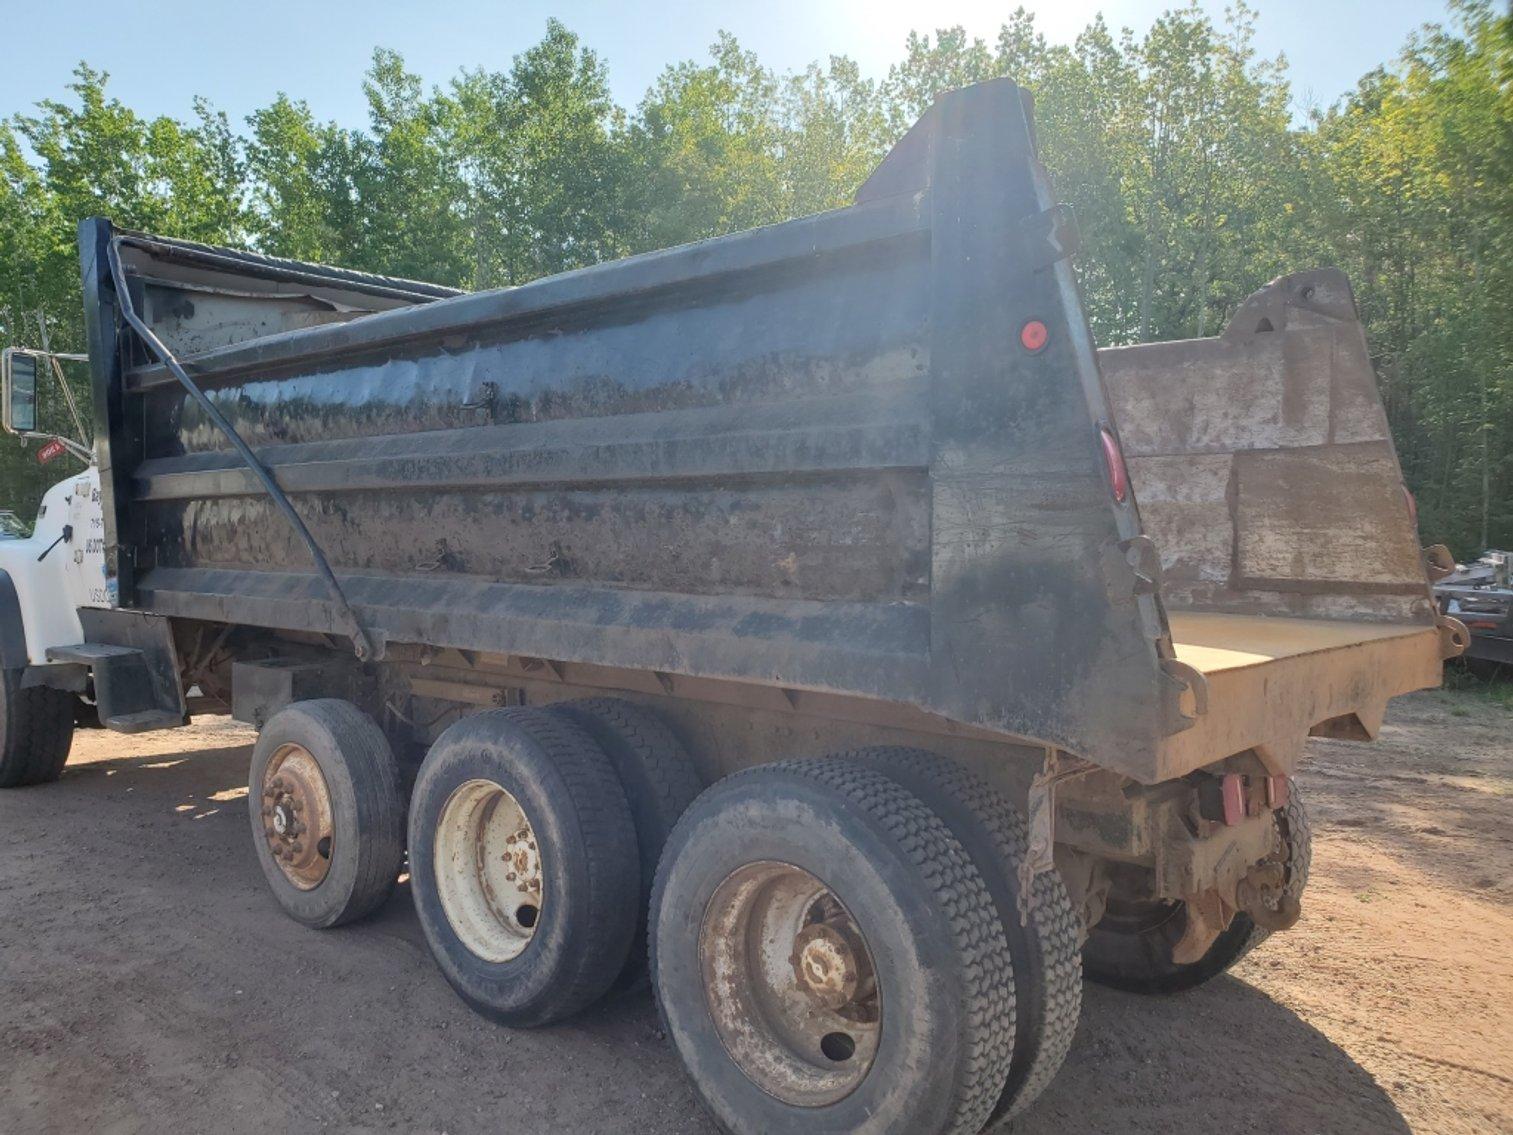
{"x": 833, "y": 130}
{"x": 408, "y": 180}
{"x": 1415, "y": 169}
{"x": 92, "y": 155}
{"x": 304, "y": 183}
{"x": 544, "y": 162}
{"x": 704, "y": 144}
{"x": 1177, "y": 146}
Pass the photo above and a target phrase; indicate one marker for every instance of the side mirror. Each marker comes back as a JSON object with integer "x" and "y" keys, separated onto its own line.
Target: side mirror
{"x": 18, "y": 377}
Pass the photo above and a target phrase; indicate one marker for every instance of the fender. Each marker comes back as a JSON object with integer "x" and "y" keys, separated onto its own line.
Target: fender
{"x": 12, "y": 629}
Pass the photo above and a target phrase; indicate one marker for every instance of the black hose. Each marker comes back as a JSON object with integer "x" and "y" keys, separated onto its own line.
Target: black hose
{"x": 362, "y": 645}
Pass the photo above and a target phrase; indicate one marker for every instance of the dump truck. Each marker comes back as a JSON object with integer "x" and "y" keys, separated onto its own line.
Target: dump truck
{"x": 810, "y": 621}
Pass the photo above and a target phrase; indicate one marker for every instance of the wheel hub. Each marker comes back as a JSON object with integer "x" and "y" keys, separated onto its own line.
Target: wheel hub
{"x": 297, "y": 816}
{"x": 825, "y": 963}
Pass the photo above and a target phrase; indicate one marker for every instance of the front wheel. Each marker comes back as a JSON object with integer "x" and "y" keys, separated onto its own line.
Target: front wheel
{"x": 36, "y": 730}
{"x": 826, "y": 957}
{"x": 1131, "y": 947}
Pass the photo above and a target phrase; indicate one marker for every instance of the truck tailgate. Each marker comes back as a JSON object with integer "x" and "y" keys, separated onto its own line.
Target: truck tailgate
{"x": 1272, "y": 681}
{"x": 1291, "y": 572}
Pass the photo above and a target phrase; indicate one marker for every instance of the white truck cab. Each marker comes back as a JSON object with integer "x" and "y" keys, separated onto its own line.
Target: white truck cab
{"x": 60, "y": 567}
{"x": 56, "y": 596}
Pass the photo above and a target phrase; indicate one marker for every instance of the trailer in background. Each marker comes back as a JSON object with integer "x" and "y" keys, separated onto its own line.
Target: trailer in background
{"x": 1480, "y": 595}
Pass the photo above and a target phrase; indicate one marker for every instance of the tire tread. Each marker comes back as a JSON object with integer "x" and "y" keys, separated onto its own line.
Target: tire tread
{"x": 1046, "y": 1016}
{"x": 950, "y": 875}
{"x": 38, "y": 730}
{"x": 609, "y": 841}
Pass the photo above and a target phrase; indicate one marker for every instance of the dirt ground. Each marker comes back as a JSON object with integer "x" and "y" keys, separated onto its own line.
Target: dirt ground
{"x": 149, "y": 983}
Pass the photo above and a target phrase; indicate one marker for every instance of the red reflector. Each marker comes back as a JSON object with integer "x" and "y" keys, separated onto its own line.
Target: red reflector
{"x": 49, "y": 451}
{"x": 1033, "y": 335}
{"x": 1113, "y": 462}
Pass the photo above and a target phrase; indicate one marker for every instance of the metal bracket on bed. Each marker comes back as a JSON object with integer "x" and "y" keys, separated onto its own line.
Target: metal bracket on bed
{"x": 1454, "y": 638}
{"x": 1040, "y": 820}
{"x": 1146, "y": 563}
{"x": 1050, "y": 236}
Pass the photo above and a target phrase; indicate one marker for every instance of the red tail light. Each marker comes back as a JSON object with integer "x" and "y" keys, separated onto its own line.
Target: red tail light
{"x": 1113, "y": 463}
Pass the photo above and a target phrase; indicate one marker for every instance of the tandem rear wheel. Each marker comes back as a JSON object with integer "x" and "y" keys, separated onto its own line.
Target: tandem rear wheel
{"x": 524, "y": 864}
{"x": 837, "y": 945}
{"x": 327, "y": 812}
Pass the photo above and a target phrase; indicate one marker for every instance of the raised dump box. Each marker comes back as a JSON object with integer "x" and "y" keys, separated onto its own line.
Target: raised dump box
{"x": 1292, "y": 573}
{"x": 518, "y": 573}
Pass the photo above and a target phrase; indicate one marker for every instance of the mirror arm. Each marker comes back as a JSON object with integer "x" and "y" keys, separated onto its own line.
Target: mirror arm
{"x": 68, "y": 394}
{"x": 76, "y": 449}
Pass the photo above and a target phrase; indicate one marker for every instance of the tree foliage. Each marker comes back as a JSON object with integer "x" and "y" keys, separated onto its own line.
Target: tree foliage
{"x": 1193, "y": 181}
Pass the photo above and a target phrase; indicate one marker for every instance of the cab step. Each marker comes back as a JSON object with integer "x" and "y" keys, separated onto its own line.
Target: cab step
{"x": 134, "y": 690}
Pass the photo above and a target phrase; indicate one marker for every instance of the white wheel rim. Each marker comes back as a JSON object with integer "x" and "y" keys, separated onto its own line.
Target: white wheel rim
{"x": 488, "y": 871}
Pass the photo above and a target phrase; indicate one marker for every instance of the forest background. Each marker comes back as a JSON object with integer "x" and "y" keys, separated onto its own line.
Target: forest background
{"x": 1195, "y": 177}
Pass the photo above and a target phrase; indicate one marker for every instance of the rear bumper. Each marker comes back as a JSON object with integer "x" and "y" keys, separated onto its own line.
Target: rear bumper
{"x": 1273, "y": 681}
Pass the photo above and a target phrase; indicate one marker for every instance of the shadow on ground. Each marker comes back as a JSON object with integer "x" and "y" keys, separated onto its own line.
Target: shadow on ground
{"x": 150, "y": 982}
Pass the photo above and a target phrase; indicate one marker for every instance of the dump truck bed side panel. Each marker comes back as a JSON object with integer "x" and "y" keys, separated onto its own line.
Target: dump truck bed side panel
{"x": 815, "y": 456}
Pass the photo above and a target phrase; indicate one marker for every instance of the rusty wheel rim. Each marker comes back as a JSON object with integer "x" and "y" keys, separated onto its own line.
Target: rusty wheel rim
{"x": 297, "y": 823}
{"x": 790, "y": 984}
{"x": 488, "y": 870}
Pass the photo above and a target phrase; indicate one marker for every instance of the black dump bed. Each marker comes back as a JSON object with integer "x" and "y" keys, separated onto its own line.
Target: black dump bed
{"x": 828, "y": 455}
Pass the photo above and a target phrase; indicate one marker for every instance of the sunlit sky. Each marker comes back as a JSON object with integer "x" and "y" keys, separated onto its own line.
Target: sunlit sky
{"x": 238, "y": 54}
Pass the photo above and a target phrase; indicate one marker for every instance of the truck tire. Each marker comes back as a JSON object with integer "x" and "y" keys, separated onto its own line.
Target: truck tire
{"x": 1043, "y": 945}
{"x": 523, "y": 865}
{"x": 327, "y": 813}
{"x": 826, "y": 957}
{"x": 1131, "y": 948}
{"x": 36, "y": 730}
{"x": 660, "y": 783}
